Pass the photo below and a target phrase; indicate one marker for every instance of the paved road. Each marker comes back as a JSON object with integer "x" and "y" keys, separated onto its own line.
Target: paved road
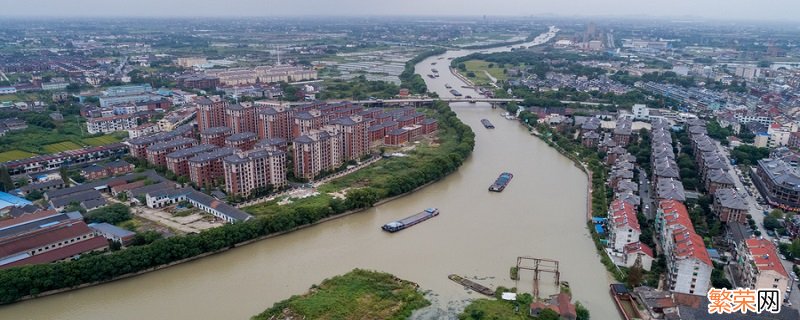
{"x": 648, "y": 206}
{"x": 758, "y": 215}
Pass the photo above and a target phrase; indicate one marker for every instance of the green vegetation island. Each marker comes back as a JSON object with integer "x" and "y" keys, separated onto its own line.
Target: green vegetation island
{"x": 359, "y": 294}
{"x": 365, "y": 294}
{"x": 382, "y": 180}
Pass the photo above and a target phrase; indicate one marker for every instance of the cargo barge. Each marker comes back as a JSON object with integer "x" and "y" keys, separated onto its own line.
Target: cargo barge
{"x": 487, "y": 124}
{"x": 469, "y": 284}
{"x": 401, "y": 224}
{"x": 501, "y": 182}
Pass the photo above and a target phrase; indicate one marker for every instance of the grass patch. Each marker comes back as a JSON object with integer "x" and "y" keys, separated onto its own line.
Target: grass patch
{"x": 359, "y": 294}
{"x": 320, "y": 202}
{"x": 492, "y": 309}
{"x": 15, "y": 155}
{"x": 479, "y": 66}
{"x": 61, "y": 147}
{"x": 101, "y": 140}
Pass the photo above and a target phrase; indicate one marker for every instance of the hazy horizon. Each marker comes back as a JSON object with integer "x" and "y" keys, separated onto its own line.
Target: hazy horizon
{"x": 774, "y": 10}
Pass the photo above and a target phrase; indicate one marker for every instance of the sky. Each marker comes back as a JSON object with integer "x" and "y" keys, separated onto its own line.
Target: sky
{"x": 768, "y": 10}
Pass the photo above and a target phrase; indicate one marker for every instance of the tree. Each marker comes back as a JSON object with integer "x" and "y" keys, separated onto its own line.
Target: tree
{"x": 112, "y": 214}
{"x": 777, "y": 214}
{"x": 581, "y": 311}
{"x": 635, "y": 275}
{"x": 5, "y": 180}
{"x": 548, "y": 314}
{"x": 34, "y": 195}
{"x": 794, "y": 248}
{"x": 771, "y": 223}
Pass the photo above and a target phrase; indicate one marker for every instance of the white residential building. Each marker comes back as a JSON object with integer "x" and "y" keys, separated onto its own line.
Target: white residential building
{"x": 689, "y": 265}
{"x": 641, "y": 112}
{"x": 143, "y": 130}
{"x": 624, "y": 231}
{"x": 760, "y": 266}
{"x": 110, "y": 124}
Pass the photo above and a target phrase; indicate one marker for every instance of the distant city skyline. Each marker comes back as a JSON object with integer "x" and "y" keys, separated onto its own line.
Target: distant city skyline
{"x": 774, "y": 10}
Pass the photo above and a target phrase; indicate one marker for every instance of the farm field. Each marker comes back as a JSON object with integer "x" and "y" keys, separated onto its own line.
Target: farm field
{"x": 101, "y": 140}
{"x": 15, "y": 155}
{"x": 61, "y": 147}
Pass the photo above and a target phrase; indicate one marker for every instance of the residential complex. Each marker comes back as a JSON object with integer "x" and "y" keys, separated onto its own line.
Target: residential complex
{"x": 110, "y": 124}
{"x": 261, "y": 74}
{"x": 761, "y": 266}
{"x": 779, "y": 183}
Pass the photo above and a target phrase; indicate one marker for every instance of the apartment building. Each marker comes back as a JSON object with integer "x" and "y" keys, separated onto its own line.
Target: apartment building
{"x": 215, "y": 136}
{"x": 760, "y": 266}
{"x": 211, "y": 112}
{"x": 207, "y": 168}
{"x": 110, "y": 124}
{"x": 253, "y": 171}
{"x": 306, "y": 121}
{"x": 178, "y": 161}
{"x": 354, "y": 135}
{"x": 241, "y": 117}
{"x": 157, "y": 153}
{"x": 317, "y": 151}
{"x": 243, "y": 141}
{"x": 689, "y": 265}
{"x": 730, "y": 206}
{"x": 275, "y": 122}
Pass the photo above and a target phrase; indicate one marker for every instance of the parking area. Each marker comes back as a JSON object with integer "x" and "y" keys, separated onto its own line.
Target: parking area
{"x": 757, "y": 207}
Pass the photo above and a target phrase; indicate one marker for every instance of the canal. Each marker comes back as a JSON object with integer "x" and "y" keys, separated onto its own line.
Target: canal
{"x": 542, "y": 213}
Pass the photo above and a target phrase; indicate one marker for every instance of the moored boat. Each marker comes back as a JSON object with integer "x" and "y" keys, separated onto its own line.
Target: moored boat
{"x": 469, "y": 284}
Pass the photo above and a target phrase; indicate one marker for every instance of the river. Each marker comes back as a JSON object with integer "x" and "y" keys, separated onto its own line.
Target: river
{"x": 542, "y": 214}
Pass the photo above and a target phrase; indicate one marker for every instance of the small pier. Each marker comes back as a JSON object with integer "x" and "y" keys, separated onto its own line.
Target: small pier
{"x": 537, "y": 265}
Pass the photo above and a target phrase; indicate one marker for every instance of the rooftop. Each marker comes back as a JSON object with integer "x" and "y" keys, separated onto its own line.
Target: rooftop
{"x": 765, "y": 256}
{"x": 729, "y": 198}
{"x": 213, "y": 155}
{"x": 216, "y": 130}
{"x": 191, "y": 151}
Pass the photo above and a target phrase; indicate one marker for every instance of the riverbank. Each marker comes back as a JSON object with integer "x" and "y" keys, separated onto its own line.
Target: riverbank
{"x": 359, "y": 294}
{"x": 588, "y": 161}
{"x": 15, "y": 284}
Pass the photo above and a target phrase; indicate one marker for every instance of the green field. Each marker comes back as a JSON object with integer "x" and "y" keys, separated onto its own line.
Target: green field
{"x": 479, "y": 66}
{"x": 101, "y": 141}
{"x": 15, "y": 155}
{"x": 61, "y": 147}
{"x": 360, "y": 294}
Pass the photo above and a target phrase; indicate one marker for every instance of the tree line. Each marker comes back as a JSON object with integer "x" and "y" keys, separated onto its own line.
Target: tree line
{"x": 19, "y": 282}
{"x": 412, "y": 81}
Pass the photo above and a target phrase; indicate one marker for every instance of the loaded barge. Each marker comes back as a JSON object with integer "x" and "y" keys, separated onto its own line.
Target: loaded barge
{"x": 469, "y": 284}
{"x": 501, "y": 182}
{"x": 487, "y": 124}
{"x": 401, "y": 224}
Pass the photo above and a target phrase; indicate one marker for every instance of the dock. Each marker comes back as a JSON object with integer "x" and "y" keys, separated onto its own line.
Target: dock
{"x": 624, "y": 301}
{"x": 469, "y": 284}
